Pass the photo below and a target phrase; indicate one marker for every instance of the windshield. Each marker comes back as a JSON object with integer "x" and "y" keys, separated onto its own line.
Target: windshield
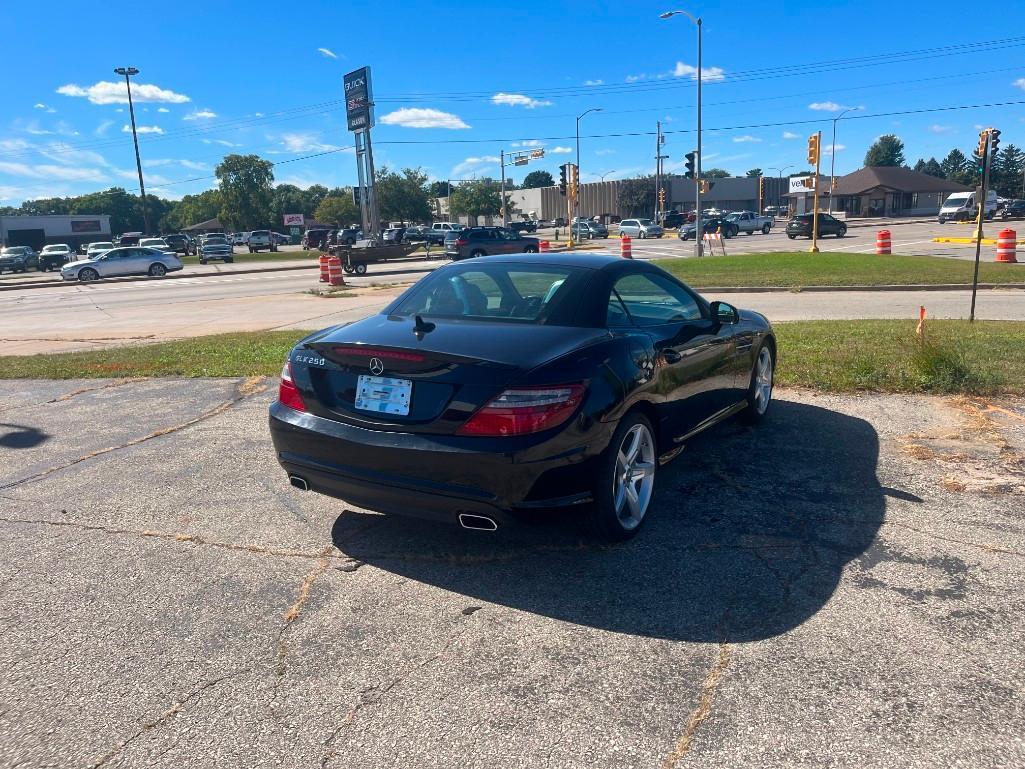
{"x": 99, "y": 246}
{"x": 54, "y": 249}
{"x": 215, "y": 239}
{"x": 499, "y": 292}
{"x": 14, "y": 251}
{"x": 151, "y": 242}
{"x": 956, "y": 200}
{"x": 644, "y": 222}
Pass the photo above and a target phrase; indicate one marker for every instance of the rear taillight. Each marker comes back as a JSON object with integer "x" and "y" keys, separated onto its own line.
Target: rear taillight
{"x": 461, "y": 242}
{"x": 524, "y": 410}
{"x": 288, "y": 393}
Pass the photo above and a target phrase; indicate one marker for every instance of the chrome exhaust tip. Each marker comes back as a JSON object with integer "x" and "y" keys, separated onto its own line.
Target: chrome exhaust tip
{"x": 299, "y": 483}
{"x": 477, "y": 522}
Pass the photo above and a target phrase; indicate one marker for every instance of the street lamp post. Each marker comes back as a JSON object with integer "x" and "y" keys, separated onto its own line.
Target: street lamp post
{"x": 698, "y": 230}
{"x": 606, "y": 174}
{"x": 779, "y": 184}
{"x": 832, "y": 155}
{"x": 128, "y": 72}
{"x": 593, "y": 109}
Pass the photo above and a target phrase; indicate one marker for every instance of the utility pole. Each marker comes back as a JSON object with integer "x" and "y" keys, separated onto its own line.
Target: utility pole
{"x": 505, "y": 214}
{"x": 658, "y": 164}
{"x": 128, "y": 72}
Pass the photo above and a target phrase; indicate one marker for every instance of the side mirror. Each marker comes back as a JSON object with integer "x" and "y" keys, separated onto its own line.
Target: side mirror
{"x": 724, "y": 313}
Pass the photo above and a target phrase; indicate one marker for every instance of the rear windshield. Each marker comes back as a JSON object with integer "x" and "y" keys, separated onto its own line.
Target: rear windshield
{"x": 501, "y": 292}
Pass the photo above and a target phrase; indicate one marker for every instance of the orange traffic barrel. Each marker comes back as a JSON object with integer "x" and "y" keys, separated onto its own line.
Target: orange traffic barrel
{"x": 323, "y": 267}
{"x": 1006, "y": 246}
{"x": 625, "y": 248}
{"x": 334, "y": 271}
{"x": 544, "y": 245}
{"x": 883, "y": 242}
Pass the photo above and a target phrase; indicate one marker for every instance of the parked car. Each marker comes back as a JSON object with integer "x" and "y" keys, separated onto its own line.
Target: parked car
{"x": 280, "y": 239}
{"x": 216, "y": 246}
{"x": 585, "y": 229}
{"x": 128, "y": 239}
{"x": 673, "y": 219}
{"x": 95, "y": 249}
{"x": 527, "y": 225}
{"x": 500, "y": 386}
{"x": 415, "y": 235}
{"x": 118, "y": 262}
{"x": 260, "y": 240}
{"x": 750, "y": 222}
{"x": 239, "y": 238}
{"x": 802, "y": 225}
{"x": 487, "y": 241}
{"x": 18, "y": 259}
{"x": 710, "y": 226}
{"x": 962, "y": 207}
{"x": 158, "y": 243}
{"x": 55, "y": 256}
{"x": 393, "y": 234}
{"x": 349, "y": 235}
{"x": 181, "y": 243}
{"x": 1013, "y": 209}
{"x": 640, "y": 228}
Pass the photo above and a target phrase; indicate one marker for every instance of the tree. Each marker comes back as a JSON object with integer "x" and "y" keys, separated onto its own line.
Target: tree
{"x": 338, "y": 210}
{"x": 439, "y": 189}
{"x": 536, "y": 179}
{"x": 403, "y": 197}
{"x": 477, "y": 198}
{"x": 124, "y": 209}
{"x": 888, "y": 150}
{"x": 637, "y": 196}
{"x": 954, "y": 165}
{"x": 754, "y": 173}
{"x": 930, "y": 167}
{"x": 193, "y": 209}
{"x": 715, "y": 173}
{"x": 246, "y": 185}
{"x": 1008, "y": 170}
{"x": 288, "y": 199}
{"x": 312, "y": 197}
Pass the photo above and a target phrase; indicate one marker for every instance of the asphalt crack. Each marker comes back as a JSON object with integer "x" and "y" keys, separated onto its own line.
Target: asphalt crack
{"x": 75, "y": 393}
{"x": 704, "y": 708}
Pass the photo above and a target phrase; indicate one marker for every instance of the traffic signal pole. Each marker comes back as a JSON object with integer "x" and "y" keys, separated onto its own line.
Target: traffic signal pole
{"x": 815, "y": 141}
{"x": 984, "y": 146}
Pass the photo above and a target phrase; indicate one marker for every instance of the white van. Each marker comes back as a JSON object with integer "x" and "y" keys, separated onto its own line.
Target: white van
{"x": 960, "y": 207}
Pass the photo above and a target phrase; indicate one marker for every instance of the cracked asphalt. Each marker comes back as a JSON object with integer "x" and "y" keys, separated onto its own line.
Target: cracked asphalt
{"x": 841, "y": 587}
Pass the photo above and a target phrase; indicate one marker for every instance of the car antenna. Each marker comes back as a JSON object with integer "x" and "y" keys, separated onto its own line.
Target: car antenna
{"x": 422, "y": 327}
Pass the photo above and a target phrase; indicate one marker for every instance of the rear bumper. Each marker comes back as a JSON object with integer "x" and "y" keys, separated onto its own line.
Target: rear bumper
{"x": 435, "y": 477}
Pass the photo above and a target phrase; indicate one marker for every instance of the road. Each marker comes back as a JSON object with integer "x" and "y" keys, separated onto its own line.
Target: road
{"x": 841, "y": 587}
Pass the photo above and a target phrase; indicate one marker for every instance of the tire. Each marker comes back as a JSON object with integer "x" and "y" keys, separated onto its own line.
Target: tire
{"x": 360, "y": 268}
{"x": 766, "y": 229}
{"x": 685, "y": 237}
{"x": 530, "y": 250}
{"x": 157, "y": 270}
{"x": 634, "y": 440}
{"x": 202, "y": 261}
{"x": 88, "y": 275}
{"x": 842, "y": 232}
{"x": 229, "y": 260}
{"x": 477, "y": 252}
{"x": 348, "y": 268}
{"x": 759, "y": 390}
{"x": 792, "y": 237}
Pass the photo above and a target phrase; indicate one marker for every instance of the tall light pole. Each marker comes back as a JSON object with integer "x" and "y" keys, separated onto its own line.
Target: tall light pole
{"x": 593, "y": 109}
{"x": 606, "y": 174}
{"x": 698, "y": 229}
{"x": 779, "y": 185}
{"x": 832, "y": 154}
{"x": 128, "y": 72}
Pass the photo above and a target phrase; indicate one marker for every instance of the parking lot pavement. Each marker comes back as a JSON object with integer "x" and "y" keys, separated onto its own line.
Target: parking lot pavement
{"x": 841, "y": 587}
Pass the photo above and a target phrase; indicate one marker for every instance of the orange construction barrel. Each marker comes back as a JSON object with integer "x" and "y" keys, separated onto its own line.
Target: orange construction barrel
{"x": 544, "y": 245}
{"x": 883, "y": 242}
{"x": 323, "y": 267}
{"x": 334, "y": 271}
{"x": 625, "y": 247}
{"x": 1007, "y": 245}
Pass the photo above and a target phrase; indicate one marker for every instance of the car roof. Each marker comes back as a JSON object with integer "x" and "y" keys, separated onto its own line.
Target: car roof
{"x": 589, "y": 259}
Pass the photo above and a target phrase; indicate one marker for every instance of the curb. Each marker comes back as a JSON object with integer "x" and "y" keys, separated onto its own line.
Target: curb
{"x": 972, "y": 241}
{"x": 169, "y": 276}
{"x": 833, "y": 289}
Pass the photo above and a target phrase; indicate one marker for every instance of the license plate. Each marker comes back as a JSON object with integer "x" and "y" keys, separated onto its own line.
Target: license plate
{"x": 383, "y": 394}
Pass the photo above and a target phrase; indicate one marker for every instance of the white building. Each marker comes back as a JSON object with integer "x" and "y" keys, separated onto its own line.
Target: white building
{"x": 38, "y": 231}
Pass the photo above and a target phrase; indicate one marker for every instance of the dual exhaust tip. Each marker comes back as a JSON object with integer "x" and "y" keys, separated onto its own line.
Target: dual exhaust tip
{"x": 466, "y": 520}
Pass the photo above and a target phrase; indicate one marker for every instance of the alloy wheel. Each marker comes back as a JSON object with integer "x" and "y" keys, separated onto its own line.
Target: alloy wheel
{"x": 634, "y": 478}
{"x": 763, "y": 381}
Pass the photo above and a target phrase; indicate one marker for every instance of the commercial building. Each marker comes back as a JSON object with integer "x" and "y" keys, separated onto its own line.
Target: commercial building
{"x": 880, "y": 191}
{"x": 38, "y": 231}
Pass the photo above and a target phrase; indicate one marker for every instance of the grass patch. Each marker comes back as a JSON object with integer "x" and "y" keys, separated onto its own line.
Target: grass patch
{"x": 797, "y": 269}
{"x": 263, "y": 256}
{"x": 829, "y": 355}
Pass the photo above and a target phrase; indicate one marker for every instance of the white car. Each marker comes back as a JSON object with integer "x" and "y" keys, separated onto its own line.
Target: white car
{"x": 118, "y": 262}
{"x": 158, "y": 243}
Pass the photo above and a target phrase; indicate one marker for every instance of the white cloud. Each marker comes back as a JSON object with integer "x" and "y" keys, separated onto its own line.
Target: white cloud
{"x": 305, "y": 142}
{"x": 157, "y": 162}
{"x": 527, "y": 143}
{"x": 635, "y": 78}
{"x": 107, "y": 92}
{"x": 827, "y": 106}
{"x": 836, "y": 148}
{"x": 163, "y": 109}
{"x": 791, "y": 135}
{"x": 327, "y": 53}
{"x": 257, "y": 114}
{"x": 67, "y": 154}
{"x": 165, "y": 193}
{"x": 194, "y": 165}
{"x": 1020, "y": 83}
{"x": 604, "y": 152}
{"x": 201, "y": 114}
{"x": 15, "y": 145}
{"x": 142, "y": 129}
{"x": 745, "y": 138}
{"x": 44, "y": 107}
{"x": 519, "y": 100}
{"x": 707, "y": 73}
{"x": 474, "y": 165}
{"x": 416, "y": 117}
{"x": 560, "y": 150}
{"x": 46, "y": 171}
{"x": 936, "y": 128}
{"x": 103, "y": 127}
{"x": 222, "y": 142}
{"x": 594, "y": 82}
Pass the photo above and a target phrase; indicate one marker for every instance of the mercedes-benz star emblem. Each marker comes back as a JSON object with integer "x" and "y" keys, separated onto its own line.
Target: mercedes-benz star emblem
{"x": 376, "y": 366}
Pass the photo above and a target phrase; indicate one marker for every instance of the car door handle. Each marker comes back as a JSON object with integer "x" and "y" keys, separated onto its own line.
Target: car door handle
{"x": 672, "y": 356}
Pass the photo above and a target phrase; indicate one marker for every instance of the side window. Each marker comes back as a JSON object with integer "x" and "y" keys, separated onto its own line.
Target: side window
{"x": 652, "y": 300}
{"x": 616, "y": 315}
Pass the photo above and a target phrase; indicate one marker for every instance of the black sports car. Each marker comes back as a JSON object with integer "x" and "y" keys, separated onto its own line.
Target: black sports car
{"x": 515, "y": 383}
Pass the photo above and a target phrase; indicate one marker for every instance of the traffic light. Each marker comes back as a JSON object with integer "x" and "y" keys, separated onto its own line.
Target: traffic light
{"x": 574, "y": 180}
{"x": 563, "y": 180}
{"x": 983, "y": 139}
{"x": 537, "y": 154}
{"x": 705, "y": 186}
{"x": 662, "y": 197}
{"x": 813, "y": 149}
{"x": 690, "y": 164}
{"x": 994, "y": 141}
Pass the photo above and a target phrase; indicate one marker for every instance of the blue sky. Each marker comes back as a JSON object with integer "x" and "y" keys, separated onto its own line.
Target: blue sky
{"x": 456, "y": 82}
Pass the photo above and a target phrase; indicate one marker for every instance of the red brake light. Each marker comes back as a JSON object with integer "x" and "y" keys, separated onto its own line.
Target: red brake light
{"x": 525, "y": 410}
{"x": 461, "y": 242}
{"x": 288, "y": 393}
{"x": 373, "y": 352}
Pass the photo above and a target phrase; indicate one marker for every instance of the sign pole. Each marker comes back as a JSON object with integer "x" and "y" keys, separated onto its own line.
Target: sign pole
{"x": 981, "y": 203}
{"x": 505, "y": 214}
{"x": 815, "y": 205}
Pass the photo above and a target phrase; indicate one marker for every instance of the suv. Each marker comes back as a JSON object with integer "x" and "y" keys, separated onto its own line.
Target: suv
{"x": 55, "y": 256}
{"x": 18, "y": 258}
{"x": 1014, "y": 209}
{"x": 673, "y": 219}
{"x": 180, "y": 243}
{"x": 439, "y": 229}
{"x": 585, "y": 229}
{"x": 261, "y": 239}
{"x": 486, "y": 241}
{"x": 527, "y": 225}
{"x": 216, "y": 246}
{"x": 640, "y": 228}
{"x": 828, "y": 225}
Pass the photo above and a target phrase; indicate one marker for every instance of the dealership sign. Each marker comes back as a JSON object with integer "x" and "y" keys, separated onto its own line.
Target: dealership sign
{"x": 359, "y": 100}
{"x": 294, "y": 220}
{"x": 85, "y": 225}
{"x": 801, "y": 184}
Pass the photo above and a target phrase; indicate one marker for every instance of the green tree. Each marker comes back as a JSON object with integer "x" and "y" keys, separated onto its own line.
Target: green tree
{"x": 477, "y": 198}
{"x": 193, "y": 209}
{"x": 288, "y": 199}
{"x": 954, "y": 166}
{"x": 930, "y": 167}
{"x": 637, "y": 196}
{"x": 124, "y": 209}
{"x": 715, "y": 173}
{"x": 312, "y": 197}
{"x": 536, "y": 179}
{"x": 246, "y": 185}
{"x": 754, "y": 173}
{"x": 403, "y": 197}
{"x": 888, "y": 150}
{"x": 1008, "y": 175}
{"x": 338, "y": 210}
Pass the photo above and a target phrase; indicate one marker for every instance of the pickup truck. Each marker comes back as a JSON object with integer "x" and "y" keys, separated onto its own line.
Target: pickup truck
{"x": 750, "y": 222}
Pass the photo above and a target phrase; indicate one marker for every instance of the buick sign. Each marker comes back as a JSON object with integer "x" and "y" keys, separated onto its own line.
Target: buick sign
{"x": 359, "y": 100}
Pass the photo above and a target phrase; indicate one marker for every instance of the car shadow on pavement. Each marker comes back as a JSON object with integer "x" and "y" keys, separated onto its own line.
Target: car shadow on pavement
{"x": 747, "y": 538}
{"x": 20, "y": 436}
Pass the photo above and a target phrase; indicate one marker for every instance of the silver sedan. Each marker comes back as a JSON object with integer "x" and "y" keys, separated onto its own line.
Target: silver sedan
{"x": 118, "y": 262}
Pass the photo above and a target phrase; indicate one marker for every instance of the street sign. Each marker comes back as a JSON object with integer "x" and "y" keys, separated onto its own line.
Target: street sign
{"x": 521, "y": 161}
{"x": 296, "y": 220}
{"x": 801, "y": 184}
{"x": 537, "y": 154}
{"x": 359, "y": 100}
